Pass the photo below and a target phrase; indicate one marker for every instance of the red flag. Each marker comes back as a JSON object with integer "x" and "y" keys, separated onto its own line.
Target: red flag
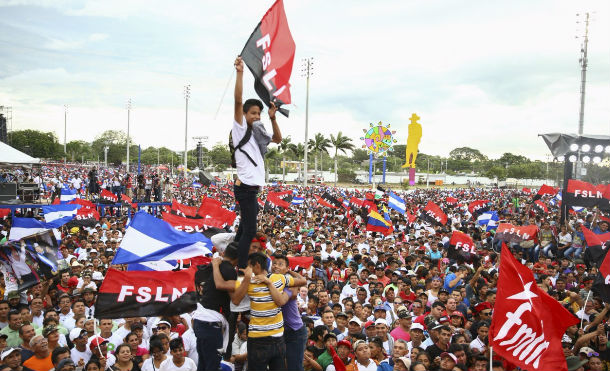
{"x": 87, "y": 213}
{"x": 356, "y": 202}
{"x": 108, "y": 196}
{"x": 451, "y": 200}
{"x": 527, "y": 324}
{"x": 586, "y": 194}
{"x": 541, "y": 206}
{"x": 189, "y": 224}
{"x": 324, "y": 203}
{"x": 301, "y": 261}
{"x": 206, "y": 203}
{"x": 129, "y": 201}
{"x": 277, "y": 198}
{"x": 545, "y": 190}
{"x": 269, "y": 54}
{"x": 596, "y": 245}
{"x": 461, "y": 244}
{"x": 183, "y": 209}
{"x": 228, "y": 191}
{"x": 410, "y": 217}
{"x": 433, "y": 214}
{"x": 56, "y": 201}
{"x": 526, "y": 190}
{"x": 83, "y": 203}
{"x": 213, "y": 216}
{"x": 510, "y": 233}
{"x": 4, "y": 213}
{"x": 478, "y": 206}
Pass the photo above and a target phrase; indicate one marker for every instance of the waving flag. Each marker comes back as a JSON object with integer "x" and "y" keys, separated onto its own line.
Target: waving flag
{"x": 601, "y": 285}
{"x": 149, "y": 239}
{"x": 269, "y": 54}
{"x": 82, "y": 202}
{"x": 488, "y": 219}
{"x": 25, "y": 227}
{"x": 597, "y": 245}
{"x": 297, "y": 200}
{"x": 451, "y": 200}
{"x": 527, "y": 324}
{"x": 328, "y": 201}
{"x": 539, "y": 205}
{"x": 108, "y": 197}
{"x": 356, "y": 202}
{"x": 67, "y": 194}
{"x": 146, "y": 294}
{"x": 279, "y": 198}
{"x": 545, "y": 190}
{"x": 189, "y": 225}
{"x": 461, "y": 245}
{"x": 377, "y": 223}
{"x": 477, "y": 207}
{"x": 585, "y": 194}
{"x": 185, "y": 210}
{"x": 433, "y": 214}
{"x": 509, "y": 233}
{"x": 397, "y": 203}
{"x": 197, "y": 185}
{"x": 53, "y": 212}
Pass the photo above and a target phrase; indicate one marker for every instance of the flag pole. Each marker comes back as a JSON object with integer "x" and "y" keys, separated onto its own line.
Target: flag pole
{"x": 491, "y": 351}
{"x": 583, "y": 308}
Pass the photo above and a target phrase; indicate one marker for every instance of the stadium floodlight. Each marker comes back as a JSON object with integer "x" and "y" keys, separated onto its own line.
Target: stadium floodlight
{"x": 599, "y": 148}
{"x": 597, "y": 160}
{"x": 585, "y": 148}
{"x": 573, "y": 147}
{"x": 561, "y": 158}
{"x": 586, "y": 159}
{"x": 608, "y": 149}
{"x": 572, "y": 158}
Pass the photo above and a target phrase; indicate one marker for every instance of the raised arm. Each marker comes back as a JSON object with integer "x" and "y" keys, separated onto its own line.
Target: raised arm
{"x": 238, "y": 112}
{"x": 219, "y": 281}
{"x": 277, "y": 135}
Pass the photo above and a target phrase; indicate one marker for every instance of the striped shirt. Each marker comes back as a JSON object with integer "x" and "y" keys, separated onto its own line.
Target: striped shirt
{"x": 266, "y": 316}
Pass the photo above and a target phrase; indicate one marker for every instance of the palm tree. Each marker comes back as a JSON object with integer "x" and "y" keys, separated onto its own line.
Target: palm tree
{"x": 341, "y": 143}
{"x": 318, "y": 145}
{"x": 284, "y": 146}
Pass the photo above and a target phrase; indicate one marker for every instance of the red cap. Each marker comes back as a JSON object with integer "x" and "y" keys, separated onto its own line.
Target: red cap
{"x": 344, "y": 342}
{"x": 96, "y": 342}
{"x": 73, "y": 281}
{"x": 369, "y": 324}
{"x": 482, "y": 306}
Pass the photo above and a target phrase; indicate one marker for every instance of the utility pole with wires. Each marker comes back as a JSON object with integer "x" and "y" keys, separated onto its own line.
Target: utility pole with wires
{"x": 306, "y": 71}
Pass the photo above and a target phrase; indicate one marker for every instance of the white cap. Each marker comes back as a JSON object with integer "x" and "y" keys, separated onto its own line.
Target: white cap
{"x": 222, "y": 240}
{"x": 417, "y": 326}
{"x": 6, "y": 352}
{"x": 97, "y": 276}
{"x": 75, "y": 332}
{"x": 356, "y": 320}
{"x": 381, "y": 321}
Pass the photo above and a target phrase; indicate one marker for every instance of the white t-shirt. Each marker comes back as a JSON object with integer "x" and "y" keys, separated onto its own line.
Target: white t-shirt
{"x": 246, "y": 171}
{"x": 168, "y": 365}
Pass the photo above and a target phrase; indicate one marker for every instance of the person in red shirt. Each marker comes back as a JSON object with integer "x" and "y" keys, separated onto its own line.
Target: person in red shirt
{"x": 63, "y": 285}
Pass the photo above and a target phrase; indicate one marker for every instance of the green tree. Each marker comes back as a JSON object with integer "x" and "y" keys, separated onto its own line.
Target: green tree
{"x": 116, "y": 141}
{"x": 78, "y": 150}
{"x": 468, "y": 154}
{"x": 220, "y": 157}
{"x": 37, "y": 143}
{"x": 496, "y": 172}
{"x": 284, "y": 147}
{"x": 341, "y": 143}
{"x": 318, "y": 145}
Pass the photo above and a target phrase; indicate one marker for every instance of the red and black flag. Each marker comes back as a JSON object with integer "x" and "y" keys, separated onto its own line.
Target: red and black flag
{"x": 433, "y": 214}
{"x": 85, "y": 217}
{"x": 545, "y": 190}
{"x": 601, "y": 285}
{"x": 108, "y": 197}
{"x": 461, "y": 246}
{"x": 281, "y": 199}
{"x": 478, "y": 207}
{"x": 597, "y": 244}
{"x": 328, "y": 200}
{"x": 355, "y": 202}
{"x": 451, "y": 200}
{"x": 190, "y": 225}
{"x": 586, "y": 194}
{"x": 515, "y": 234}
{"x": 146, "y": 293}
{"x": 184, "y": 210}
{"x": 269, "y": 54}
{"x": 540, "y": 206}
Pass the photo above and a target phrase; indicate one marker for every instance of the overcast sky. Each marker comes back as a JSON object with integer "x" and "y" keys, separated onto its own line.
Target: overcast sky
{"x": 481, "y": 73}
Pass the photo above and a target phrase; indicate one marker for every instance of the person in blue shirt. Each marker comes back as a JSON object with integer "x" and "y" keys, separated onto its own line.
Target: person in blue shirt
{"x": 454, "y": 279}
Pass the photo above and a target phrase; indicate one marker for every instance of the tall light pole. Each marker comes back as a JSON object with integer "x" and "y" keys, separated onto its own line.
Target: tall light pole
{"x": 307, "y": 71}
{"x": 106, "y": 148}
{"x": 583, "y": 80}
{"x": 187, "y": 95}
{"x": 128, "y": 138}
{"x": 65, "y": 130}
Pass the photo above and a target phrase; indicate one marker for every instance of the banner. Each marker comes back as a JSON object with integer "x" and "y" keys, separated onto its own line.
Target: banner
{"x": 512, "y": 234}
{"x": 597, "y": 244}
{"x": 527, "y": 324}
{"x": 146, "y": 294}
{"x": 586, "y": 194}
{"x": 108, "y": 197}
{"x": 269, "y": 54}
{"x": 433, "y": 214}
{"x": 189, "y": 225}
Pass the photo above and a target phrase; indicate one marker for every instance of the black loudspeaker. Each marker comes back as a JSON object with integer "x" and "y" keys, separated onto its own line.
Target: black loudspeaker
{"x": 8, "y": 191}
{"x": 205, "y": 178}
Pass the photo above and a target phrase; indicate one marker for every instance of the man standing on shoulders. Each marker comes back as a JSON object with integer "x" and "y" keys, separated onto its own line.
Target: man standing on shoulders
{"x": 248, "y": 142}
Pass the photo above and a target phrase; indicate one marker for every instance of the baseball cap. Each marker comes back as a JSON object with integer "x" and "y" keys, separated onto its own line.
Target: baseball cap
{"x": 379, "y": 307}
{"x": 163, "y": 322}
{"x": 49, "y": 329}
{"x": 450, "y": 355}
{"x": 356, "y": 320}
{"x": 341, "y": 314}
{"x": 381, "y": 321}
{"x": 13, "y": 295}
{"x": 8, "y": 351}
{"x": 369, "y": 324}
{"x": 97, "y": 276}
{"x": 64, "y": 362}
{"x": 98, "y": 340}
{"x": 76, "y": 333}
{"x": 588, "y": 351}
{"x": 344, "y": 343}
{"x": 417, "y": 326}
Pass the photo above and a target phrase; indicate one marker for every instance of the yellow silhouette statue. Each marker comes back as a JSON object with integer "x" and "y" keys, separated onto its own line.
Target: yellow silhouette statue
{"x": 413, "y": 140}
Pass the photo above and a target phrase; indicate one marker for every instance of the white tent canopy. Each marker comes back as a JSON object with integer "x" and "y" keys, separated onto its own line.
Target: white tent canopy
{"x": 9, "y": 155}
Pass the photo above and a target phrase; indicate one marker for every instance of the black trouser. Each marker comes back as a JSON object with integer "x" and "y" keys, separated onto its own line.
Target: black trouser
{"x": 209, "y": 340}
{"x": 248, "y": 204}
{"x": 266, "y": 351}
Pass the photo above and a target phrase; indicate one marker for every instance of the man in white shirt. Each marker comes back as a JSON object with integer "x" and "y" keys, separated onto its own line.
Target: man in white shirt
{"x": 249, "y": 160}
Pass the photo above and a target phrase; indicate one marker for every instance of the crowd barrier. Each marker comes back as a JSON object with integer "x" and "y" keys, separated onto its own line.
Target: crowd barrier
{"x": 118, "y": 208}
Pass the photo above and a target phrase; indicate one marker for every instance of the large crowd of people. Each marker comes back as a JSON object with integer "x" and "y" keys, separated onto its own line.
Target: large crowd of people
{"x": 367, "y": 302}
